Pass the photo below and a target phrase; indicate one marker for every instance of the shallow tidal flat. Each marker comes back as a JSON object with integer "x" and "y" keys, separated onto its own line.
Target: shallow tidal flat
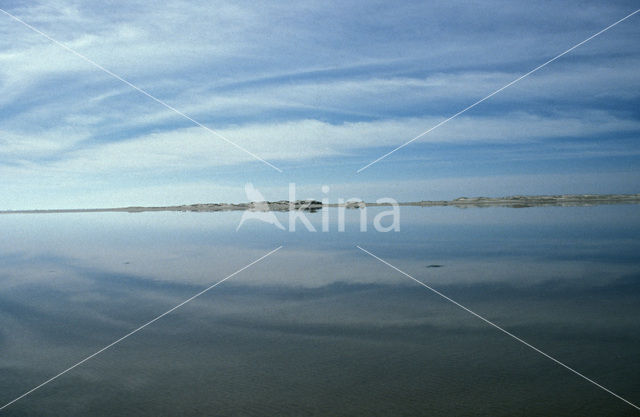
{"x": 565, "y": 200}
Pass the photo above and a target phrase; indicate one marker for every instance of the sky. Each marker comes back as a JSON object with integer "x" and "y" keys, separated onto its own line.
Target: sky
{"x": 319, "y": 89}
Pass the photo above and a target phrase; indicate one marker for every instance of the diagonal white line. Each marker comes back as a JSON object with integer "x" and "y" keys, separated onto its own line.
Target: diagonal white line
{"x": 100, "y": 67}
{"x": 138, "y": 329}
{"x": 497, "y": 91}
{"x": 499, "y": 328}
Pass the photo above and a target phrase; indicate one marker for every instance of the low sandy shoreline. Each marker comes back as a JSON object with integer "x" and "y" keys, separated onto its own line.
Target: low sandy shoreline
{"x": 566, "y": 200}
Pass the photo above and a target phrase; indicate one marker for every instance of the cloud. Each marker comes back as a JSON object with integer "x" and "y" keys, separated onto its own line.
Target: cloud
{"x": 194, "y": 147}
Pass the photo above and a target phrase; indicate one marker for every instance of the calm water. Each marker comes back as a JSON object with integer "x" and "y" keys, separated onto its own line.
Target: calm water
{"x": 320, "y": 328}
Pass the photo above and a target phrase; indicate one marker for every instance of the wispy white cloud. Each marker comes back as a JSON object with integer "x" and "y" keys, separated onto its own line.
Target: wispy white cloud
{"x": 193, "y": 148}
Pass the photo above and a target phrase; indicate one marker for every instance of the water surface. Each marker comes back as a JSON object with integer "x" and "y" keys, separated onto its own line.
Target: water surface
{"x": 321, "y": 328}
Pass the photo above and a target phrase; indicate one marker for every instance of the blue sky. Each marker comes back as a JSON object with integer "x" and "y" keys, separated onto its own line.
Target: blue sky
{"x": 319, "y": 89}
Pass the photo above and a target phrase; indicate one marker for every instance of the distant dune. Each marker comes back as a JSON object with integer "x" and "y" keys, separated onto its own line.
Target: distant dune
{"x": 518, "y": 201}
